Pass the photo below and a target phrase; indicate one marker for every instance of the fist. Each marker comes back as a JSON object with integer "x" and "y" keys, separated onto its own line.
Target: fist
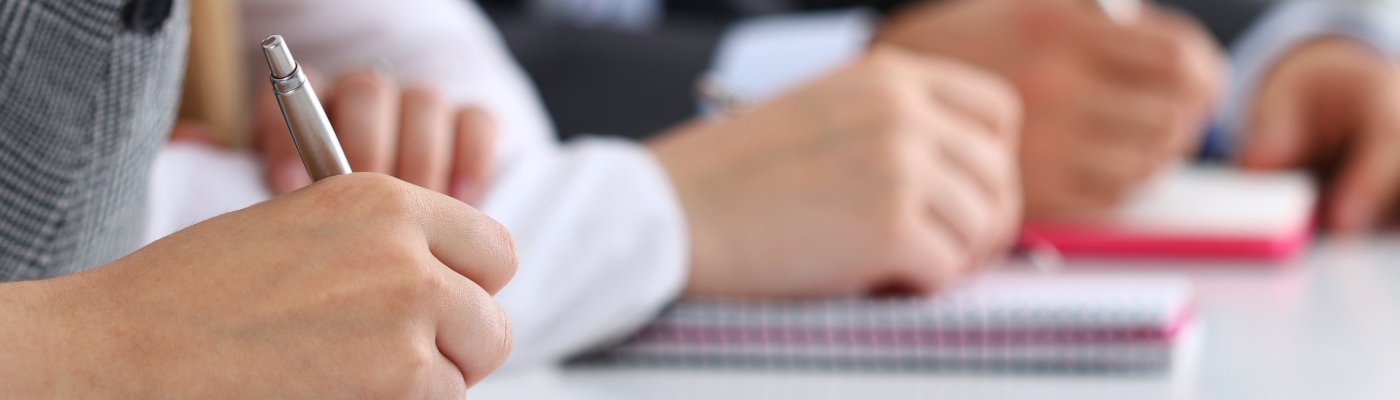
{"x": 360, "y": 286}
{"x": 1109, "y": 103}
{"x": 896, "y": 172}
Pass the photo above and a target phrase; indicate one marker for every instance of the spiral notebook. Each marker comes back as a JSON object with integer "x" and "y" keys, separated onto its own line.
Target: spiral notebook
{"x": 1025, "y": 323}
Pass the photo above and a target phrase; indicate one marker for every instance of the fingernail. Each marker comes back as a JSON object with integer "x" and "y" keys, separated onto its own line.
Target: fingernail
{"x": 291, "y": 175}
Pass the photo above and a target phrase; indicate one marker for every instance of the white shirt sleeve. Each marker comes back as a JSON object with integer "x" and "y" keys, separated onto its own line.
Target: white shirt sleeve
{"x": 600, "y": 234}
{"x": 1293, "y": 23}
{"x": 761, "y": 57}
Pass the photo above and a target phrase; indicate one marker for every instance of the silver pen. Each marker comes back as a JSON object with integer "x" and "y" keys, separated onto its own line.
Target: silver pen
{"x": 311, "y": 131}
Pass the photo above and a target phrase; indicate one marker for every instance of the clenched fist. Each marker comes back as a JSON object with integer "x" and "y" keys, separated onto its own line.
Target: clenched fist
{"x": 359, "y": 286}
{"x": 1108, "y": 103}
{"x": 896, "y": 172}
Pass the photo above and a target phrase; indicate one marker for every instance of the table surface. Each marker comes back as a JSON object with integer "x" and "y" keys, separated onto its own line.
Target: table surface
{"x": 1323, "y": 326}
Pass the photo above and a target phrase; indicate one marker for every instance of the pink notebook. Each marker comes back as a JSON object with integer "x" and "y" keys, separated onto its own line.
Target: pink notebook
{"x": 1195, "y": 212}
{"x": 1002, "y": 322}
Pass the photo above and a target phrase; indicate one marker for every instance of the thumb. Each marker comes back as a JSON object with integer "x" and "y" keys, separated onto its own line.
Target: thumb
{"x": 1279, "y": 134}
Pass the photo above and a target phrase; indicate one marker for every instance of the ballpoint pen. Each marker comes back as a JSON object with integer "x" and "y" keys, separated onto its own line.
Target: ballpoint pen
{"x": 311, "y": 131}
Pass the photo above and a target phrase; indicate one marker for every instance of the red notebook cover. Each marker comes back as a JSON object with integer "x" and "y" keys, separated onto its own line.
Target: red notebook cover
{"x": 1195, "y": 212}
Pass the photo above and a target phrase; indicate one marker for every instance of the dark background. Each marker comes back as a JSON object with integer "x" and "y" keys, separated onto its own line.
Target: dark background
{"x": 637, "y": 84}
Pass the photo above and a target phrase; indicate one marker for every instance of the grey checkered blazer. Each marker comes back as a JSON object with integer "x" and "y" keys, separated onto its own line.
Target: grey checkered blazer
{"x": 88, "y": 92}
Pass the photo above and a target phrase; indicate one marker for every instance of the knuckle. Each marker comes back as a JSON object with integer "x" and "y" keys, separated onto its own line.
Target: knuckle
{"x": 410, "y": 283}
{"x": 876, "y": 106}
{"x": 495, "y": 340}
{"x": 388, "y": 195}
{"x": 1006, "y": 100}
{"x": 1176, "y": 53}
{"x": 886, "y": 101}
{"x": 412, "y": 373}
{"x": 357, "y": 191}
{"x": 889, "y": 163}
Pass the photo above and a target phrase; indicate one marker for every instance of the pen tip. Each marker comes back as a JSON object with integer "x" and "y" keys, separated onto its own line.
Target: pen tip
{"x": 279, "y": 58}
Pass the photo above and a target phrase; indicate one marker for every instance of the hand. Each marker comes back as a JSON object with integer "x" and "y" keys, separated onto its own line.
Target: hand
{"x": 896, "y": 172}
{"x": 1107, "y": 104}
{"x": 411, "y": 133}
{"x": 1331, "y": 105}
{"x": 360, "y": 286}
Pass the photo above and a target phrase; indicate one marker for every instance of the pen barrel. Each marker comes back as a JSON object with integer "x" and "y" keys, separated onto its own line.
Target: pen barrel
{"x": 311, "y": 131}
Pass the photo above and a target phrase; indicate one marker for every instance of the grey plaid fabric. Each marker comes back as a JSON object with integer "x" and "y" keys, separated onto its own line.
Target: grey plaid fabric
{"x": 88, "y": 91}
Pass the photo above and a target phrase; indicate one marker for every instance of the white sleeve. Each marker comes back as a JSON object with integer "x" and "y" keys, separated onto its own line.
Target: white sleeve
{"x": 602, "y": 245}
{"x": 761, "y": 57}
{"x": 601, "y": 236}
{"x": 1293, "y": 23}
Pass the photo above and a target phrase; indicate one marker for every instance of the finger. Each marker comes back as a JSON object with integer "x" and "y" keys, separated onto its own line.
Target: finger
{"x": 425, "y": 139}
{"x": 190, "y": 131}
{"x": 472, "y": 329}
{"x": 937, "y": 265}
{"x": 1369, "y": 179}
{"x": 959, "y": 207}
{"x": 985, "y": 162}
{"x": 474, "y": 154}
{"x": 993, "y": 170}
{"x": 468, "y": 241}
{"x": 980, "y": 96}
{"x": 1278, "y": 134}
{"x": 364, "y": 110}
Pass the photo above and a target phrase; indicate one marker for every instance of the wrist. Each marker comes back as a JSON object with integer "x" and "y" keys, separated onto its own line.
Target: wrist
{"x": 691, "y": 172}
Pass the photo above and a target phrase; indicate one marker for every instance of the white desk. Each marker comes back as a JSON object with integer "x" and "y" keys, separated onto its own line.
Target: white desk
{"x": 1327, "y": 327}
